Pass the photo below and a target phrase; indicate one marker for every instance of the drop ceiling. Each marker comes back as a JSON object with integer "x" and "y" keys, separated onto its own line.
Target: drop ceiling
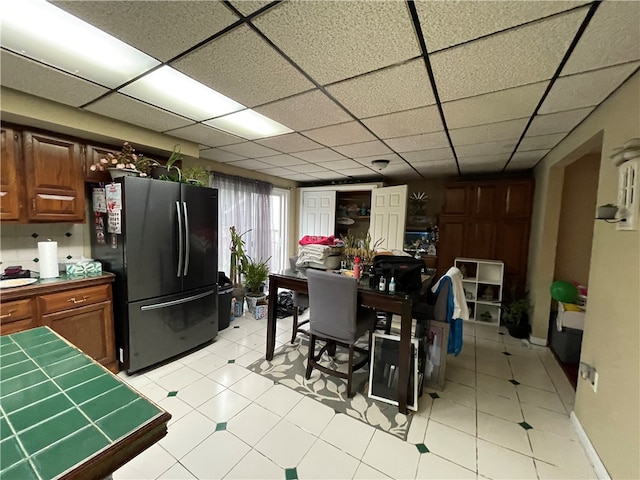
{"x": 437, "y": 88}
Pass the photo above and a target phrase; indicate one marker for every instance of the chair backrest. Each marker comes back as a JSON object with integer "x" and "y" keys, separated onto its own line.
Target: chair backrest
{"x": 292, "y": 262}
{"x": 333, "y": 300}
{"x": 442, "y": 300}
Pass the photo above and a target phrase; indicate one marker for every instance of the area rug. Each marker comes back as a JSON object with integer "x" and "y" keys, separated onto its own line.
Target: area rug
{"x": 288, "y": 368}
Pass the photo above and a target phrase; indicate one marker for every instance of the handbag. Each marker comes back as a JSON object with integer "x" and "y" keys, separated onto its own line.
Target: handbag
{"x": 407, "y": 272}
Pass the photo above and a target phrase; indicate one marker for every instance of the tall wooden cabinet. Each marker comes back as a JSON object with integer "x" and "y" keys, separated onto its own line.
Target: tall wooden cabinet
{"x": 488, "y": 220}
{"x": 11, "y": 203}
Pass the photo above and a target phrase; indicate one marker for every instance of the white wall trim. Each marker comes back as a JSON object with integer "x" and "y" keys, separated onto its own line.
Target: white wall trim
{"x": 592, "y": 455}
{"x": 538, "y": 341}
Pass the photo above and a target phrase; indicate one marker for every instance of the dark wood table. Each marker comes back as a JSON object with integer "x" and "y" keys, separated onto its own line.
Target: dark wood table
{"x": 398, "y": 304}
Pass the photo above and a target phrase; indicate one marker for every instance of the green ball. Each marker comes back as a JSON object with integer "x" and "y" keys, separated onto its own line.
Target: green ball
{"x": 563, "y": 291}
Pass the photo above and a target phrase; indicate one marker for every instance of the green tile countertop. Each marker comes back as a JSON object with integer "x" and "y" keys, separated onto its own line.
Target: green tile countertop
{"x": 59, "y": 409}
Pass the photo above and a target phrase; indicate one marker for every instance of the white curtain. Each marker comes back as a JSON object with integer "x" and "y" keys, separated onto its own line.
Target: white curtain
{"x": 244, "y": 204}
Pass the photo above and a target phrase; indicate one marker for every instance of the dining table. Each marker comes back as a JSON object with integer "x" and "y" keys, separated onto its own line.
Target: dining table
{"x": 396, "y": 303}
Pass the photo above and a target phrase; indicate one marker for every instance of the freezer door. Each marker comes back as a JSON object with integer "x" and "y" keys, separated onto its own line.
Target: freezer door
{"x": 152, "y": 237}
{"x": 165, "y": 327}
{"x": 200, "y": 216}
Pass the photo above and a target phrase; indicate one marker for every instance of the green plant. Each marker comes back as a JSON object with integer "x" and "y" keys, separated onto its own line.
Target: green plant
{"x": 239, "y": 258}
{"x": 514, "y": 310}
{"x": 175, "y": 156}
{"x": 256, "y": 274}
{"x": 196, "y": 174}
{"x": 126, "y": 158}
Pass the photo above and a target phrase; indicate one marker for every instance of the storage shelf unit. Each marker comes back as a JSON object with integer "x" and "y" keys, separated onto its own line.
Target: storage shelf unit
{"x": 483, "y": 284}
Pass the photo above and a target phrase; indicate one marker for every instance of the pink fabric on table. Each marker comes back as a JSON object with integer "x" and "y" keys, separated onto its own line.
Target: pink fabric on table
{"x": 317, "y": 240}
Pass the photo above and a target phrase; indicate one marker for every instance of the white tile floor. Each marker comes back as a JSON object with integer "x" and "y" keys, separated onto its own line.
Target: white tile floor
{"x": 231, "y": 423}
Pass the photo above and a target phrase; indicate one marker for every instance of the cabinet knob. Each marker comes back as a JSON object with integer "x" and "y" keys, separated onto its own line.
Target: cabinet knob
{"x": 74, "y": 300}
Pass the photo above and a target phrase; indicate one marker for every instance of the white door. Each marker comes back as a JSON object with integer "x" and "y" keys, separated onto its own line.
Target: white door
{"x": 388, "y": 216}
{"x": 317, "y": 213}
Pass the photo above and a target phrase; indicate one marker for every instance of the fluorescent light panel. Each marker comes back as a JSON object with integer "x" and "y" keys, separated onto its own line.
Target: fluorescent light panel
{"x": 44, "y": 32}
{"x": 249, "y": 124}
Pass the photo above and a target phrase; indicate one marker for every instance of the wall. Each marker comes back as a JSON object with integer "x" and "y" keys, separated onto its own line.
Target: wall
{"x": 575, "y": 231}
{"x": 610, "y": 416}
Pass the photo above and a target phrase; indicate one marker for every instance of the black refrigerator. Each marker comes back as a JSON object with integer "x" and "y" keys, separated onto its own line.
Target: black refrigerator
{"x": 165, "y": 258}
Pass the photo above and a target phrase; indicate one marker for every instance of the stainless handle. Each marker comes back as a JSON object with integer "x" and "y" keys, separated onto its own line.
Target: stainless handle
{"x": 180, "y": 247}
{"x": 187, "y": 241}
{"x": 176, "y": 302}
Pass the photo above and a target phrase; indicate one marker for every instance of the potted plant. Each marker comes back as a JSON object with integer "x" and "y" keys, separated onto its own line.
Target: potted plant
{"x": 195, "y": 175}
{"x": 515, "y": 316}
{"x": 607, "y": 211}
{"x": 126, "y": 162}
{"x": 166, "y": 171}
{"x": 256, "y": 274}
{"x": 238, "y": 259}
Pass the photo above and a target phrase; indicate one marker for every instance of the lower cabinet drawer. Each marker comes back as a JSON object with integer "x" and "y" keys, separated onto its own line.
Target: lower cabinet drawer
{"x": 56, "y": 302}
{"x": 16, "y": 310}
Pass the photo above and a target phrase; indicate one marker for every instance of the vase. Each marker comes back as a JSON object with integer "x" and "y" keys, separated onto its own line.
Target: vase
{"x": 158, "y": 171}
{"x": 123, "y": 172}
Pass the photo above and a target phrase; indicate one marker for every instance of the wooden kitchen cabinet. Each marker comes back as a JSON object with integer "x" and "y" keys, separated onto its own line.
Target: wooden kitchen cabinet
{"x": 54, "y": 178}
{"x": 11, "y": 203}
{"x": 80, "y": 310}
{"x": 93, "y": 154}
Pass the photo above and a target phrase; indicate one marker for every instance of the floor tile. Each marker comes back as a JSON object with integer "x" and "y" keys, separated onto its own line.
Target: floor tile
{"x": 562, "y": 452}
{"x": 350, "y": 435}
{"x": 540, "y": 398}
{"x": 324, "y": 461}
{"x": 218, "y": 344}
{"x": 208, "y": 363}
{"x": 255, "y": 466}
{"x": 152, "y": 462}
{"x": 153, "y": 391}
{"x": 279, "y": 399}
{"x": 231, "y": 351}
{"x": 285, "y": 444}
{"x": 460, "y": 394}
{"x": 135, "y": 380}
{"x": 228, "y": 374}
{"x": 391, "y": 456}
{"x": 252, "y": 423}
{"x": 500, "y": 463}
{"x": 460, "y": 375}
{"x": 497, "y": 386}
{"x": 462, "y": 361}
{"x": 179, "y": 378}
{"x": 431, "y": 466}
{"x": 252, "y": 386}
{"x": 186, "y": 433}
{"x": 453, "y": 415}
{"x": 452, "y": 444}
{"x": 176, "y": 407}
{"x": 502, "y": 432}
{"x": 548, "y": 421}
{"x": 177, "y": 472}
{"x": 200, "y": 391}
{"x": 497, "y": 367}
{"x": 249, "y": 358}
{"x": 547, "y": 471}
{"x": 499, "y": 406}
{"x": 253, "y": 341}
{"x": 311, "y": 415}
{"x": 223, "y": 406}
{"x": 163, "y": 370}
{"x": 215, "y": 456}
{"x": 417, "y": 429}
{"x": 192, "y": 357}
{"x": 365, "y": 472}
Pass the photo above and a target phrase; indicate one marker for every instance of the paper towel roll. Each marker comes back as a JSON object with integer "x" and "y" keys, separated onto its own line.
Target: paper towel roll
{"x": 48, "y": 259}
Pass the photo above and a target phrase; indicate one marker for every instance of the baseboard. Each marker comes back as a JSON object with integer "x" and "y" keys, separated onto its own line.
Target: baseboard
{"x": 598, "y": 466}
{"x": 538, "y": 341}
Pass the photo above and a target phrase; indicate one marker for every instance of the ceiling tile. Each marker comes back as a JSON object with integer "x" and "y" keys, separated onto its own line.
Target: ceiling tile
{"x": 159, "y": 28}
{"x": 341, "y": 164}
{"x": 283, "y": 161}
{"x": 289, "y": 143}
{"x": 299, "y": 177}
{"x": 418, "y": 142}
{"x": 251, "y": 164}
{"x": 483, "y": 163}
{"x": 390, "y": 90}
{"x": 526, "y": 159}
{"x": 392, "y": 157}
{"x": 220, "y": 155}
{"x": 40, "y": 80}
{"x": 557, "y": 122}
{"x": 307, "y": 168}
{"x": 333, "y": 40}
{"x": 517, "y": 57}
{"x": 358, "y": 172}
{"x": 494, "y": 107}
{"x": 328, "y": 175}
{"x": 247, "y": 7}
{"x": 437, "y": 168}
{"x": 492, "y": 132}
{"x": 540, "y": 142}
{"x": 490, "y": 148}
{"x": 611, "y": 37}
{"x": 305, "y": 111}
{"x": 130, "y": 110}
{"x": 452, "y": 22}
{"x": 245, "y": 69}
{"x": 205, "y": 135}
{"x": 409, "y": 122}
{"x": 429, "y": 155}
{"x": 250, "y": 150}
{"x": 350, "y": 132}
{"x": 399, "y": 171}
{"x": 363, "y": 149}
{"x": 276, "y": 172}
{"x": 586, "y": 89}
{"x": 320, "y": 155}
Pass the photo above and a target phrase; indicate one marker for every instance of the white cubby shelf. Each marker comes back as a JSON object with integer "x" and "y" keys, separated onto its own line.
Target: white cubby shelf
{"x": 482, "y": 283}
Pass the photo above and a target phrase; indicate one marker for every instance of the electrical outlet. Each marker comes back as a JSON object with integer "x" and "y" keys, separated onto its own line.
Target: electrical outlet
{"x": 594, "y": 381}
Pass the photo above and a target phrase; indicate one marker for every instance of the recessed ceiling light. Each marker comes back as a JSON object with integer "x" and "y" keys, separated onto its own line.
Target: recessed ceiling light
{"x": 170, "y": 89}
{"x": 249, "y": 124}
{"x": 48, "y": 34}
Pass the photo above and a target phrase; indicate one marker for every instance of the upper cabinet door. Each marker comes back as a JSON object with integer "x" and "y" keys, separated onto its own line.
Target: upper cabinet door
{"x": 483, "y": 201}
{"x": 10, "y": 180}
{"x": 388, "y": 216}
{"x": 455, "y": 200}
{"x": 516, "y": 198}
{"x": 54, "y": 179}
{"x": 317, "y": 213}
{"x": 93, "y": 155}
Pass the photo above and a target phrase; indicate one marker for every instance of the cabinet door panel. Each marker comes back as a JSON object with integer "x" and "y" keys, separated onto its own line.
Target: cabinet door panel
{"x": 455, "y": 200}
{"x": 388, "y": 216}
{"x": 55, "y": 183}
{"x": 89, "y": 328}
{"x": 480, "y": 241}
{"x": 483, "y": 201}
{"x": 516, "y": 199}
{"x": 451, "y": 242}
{"x": 317, "y": 215}
{"x": 10, "y": 180}
{"x": 513, "y": 247}
{"x": 93, "y": 155}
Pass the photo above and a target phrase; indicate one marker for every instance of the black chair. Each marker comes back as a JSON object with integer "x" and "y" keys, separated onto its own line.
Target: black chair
{"x": 338, "y": 320}
{"x": 300, "y": 300}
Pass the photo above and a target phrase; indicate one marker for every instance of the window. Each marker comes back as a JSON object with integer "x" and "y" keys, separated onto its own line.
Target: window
{"x": 279, "y": 200}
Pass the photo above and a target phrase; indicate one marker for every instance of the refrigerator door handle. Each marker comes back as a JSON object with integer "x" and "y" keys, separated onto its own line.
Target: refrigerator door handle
{"x": 187, "y": 240}
{"x": 156, "y": 306}
{"x": 180, "y": 243}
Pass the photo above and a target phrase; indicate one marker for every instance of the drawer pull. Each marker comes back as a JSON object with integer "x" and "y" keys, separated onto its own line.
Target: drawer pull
{"x": 7, "y": 315}
{"x": 73, "y": 299}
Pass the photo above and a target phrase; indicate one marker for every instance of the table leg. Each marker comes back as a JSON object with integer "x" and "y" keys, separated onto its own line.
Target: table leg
{"x": 272, "y": 317}
{"x": 405, "y": 356}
